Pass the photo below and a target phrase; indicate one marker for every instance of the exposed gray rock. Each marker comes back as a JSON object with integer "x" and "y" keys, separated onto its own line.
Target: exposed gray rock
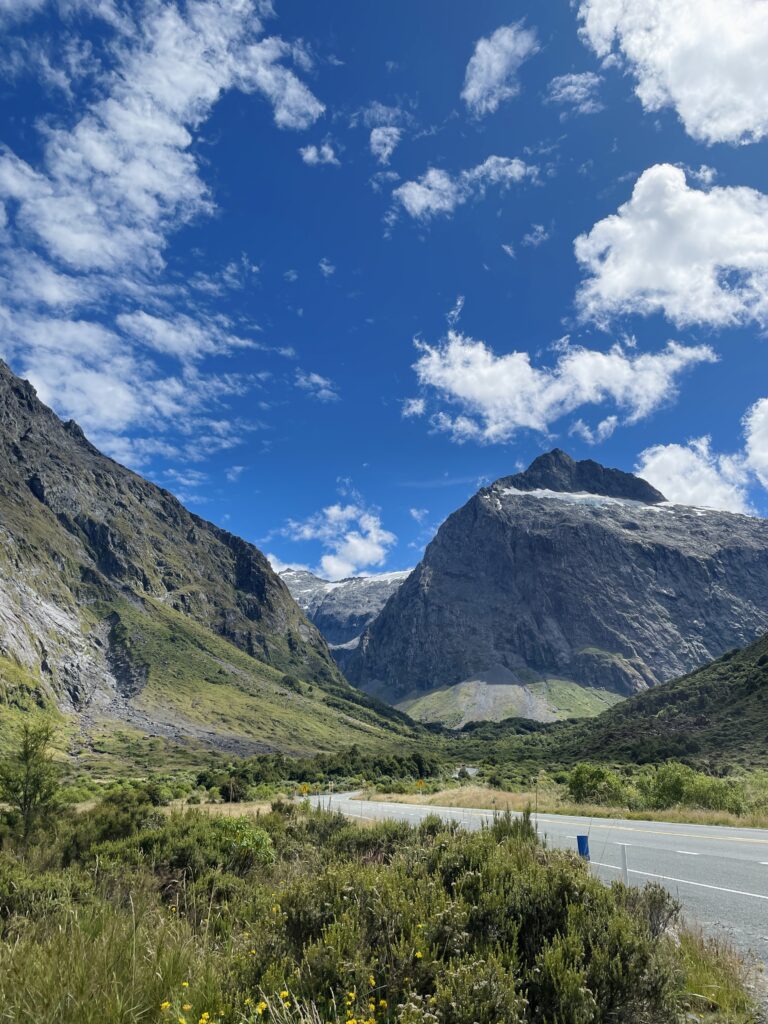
{"x": 81, "y": 535}
{"x": 575, "y": 572}
{"x": 341, "y": 610}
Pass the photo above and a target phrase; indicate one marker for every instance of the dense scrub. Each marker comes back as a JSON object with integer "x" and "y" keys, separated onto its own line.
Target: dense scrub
{"x": 125, "y": 913}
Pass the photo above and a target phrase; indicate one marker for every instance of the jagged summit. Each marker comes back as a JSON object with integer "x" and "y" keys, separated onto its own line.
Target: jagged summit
{"x": 557, "y": 471}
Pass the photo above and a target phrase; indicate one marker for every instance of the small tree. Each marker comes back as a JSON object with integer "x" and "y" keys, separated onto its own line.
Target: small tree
{"x": 29, "y": 778}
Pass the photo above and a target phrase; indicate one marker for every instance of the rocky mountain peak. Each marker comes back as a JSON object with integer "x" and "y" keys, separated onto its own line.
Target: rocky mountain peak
{"x": 557, "y": 471}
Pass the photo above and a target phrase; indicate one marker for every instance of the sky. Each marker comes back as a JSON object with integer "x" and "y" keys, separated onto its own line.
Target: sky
{"x": 322, "y": 270}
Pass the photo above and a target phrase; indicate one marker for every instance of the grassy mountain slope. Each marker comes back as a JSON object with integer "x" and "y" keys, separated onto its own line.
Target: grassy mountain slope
{"x": 715, "y": 716}
{"x": 119, "y": 605}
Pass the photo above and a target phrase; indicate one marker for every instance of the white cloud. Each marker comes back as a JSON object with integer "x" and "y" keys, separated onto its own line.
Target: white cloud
{"x": 352, "y": 535}
{"x": 509, "y": 249}
{"x": 692, "y": 474}
{"x": 756, "y": 440}
{"x": 491, "y": 75}
{"x": 322, "y": 154}
{"x": 578, "y": 91}
{"x": 234, "y": 473}
{"x": 321, "y": 388}
{"x": 327, "y": 269}
{"x": 182, "y": 336}
{"x": 438, "y": 192}
{"x": 699, "y": 257}
{"x": 600, "y": 433}
{"x": 419, "y": 514}
{"x": 499, "y": 395}
{"x": 454, "y": 313}
{"x": 88, "y": 223}
{"x": 413, "y": 407}
{"x": 706, "y": 58}
{"x": 537, "y": 236}
{"x": 384, "y": 141}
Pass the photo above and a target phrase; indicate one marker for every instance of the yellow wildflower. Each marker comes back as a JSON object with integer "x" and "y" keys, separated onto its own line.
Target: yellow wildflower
{"x": 182, "y": 1020}
{"x": 261, "y": 1007}
{"x": 418, "y": 954}
{"x": 371, "y": 980}
{"x": 185, "y": 984}
{"x": 186, "y": 1007}
{"x": 284, "y": 994}
{"x": 165, "y": 1004}
{"x": 383, "y": 1004}
{"x": 249, "y": 1001}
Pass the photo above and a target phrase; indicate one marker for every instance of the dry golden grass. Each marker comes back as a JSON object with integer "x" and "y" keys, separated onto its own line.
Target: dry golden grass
{"x": 484, "y": 798}
{"x": 233, "y": 810}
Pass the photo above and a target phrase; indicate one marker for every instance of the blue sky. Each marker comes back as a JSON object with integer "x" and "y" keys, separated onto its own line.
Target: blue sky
{"x": 323, "y": 269}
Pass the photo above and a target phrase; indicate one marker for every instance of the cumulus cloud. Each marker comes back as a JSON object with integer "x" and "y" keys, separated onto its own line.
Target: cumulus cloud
{"x": 351, "y": 534}
{"x": 491, "y": 75}
{"x": 577, "y": 91}
{"x": 82, "y": 285}
{"x": 327, "y": 269}
{"x": 496, "y": 396}
{"x": 384, "y": 141}
{"x": 322, "y": 154}
{"x": 698, "y": 256}
{"x": 692, "y": 474}
{"x": 706, "y": 58}
{"x": 438, "y": 192}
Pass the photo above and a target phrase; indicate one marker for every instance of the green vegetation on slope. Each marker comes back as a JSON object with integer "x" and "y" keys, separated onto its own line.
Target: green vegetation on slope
{"x": 716, "y": 717}
{"x": 546, "y": 700}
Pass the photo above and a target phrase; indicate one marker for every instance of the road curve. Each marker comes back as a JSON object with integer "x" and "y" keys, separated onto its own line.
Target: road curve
{"x": 720, "y": 875}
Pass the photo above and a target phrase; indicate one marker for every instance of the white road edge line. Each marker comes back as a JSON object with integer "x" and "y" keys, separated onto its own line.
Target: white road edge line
{"x": 688, "y": 853}
{"x": 684, "y": 881}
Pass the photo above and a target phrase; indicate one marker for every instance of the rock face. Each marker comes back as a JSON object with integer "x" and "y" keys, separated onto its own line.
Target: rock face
{"x": 108, "y": 582}
{"x": 570, "y": 571}
{"x": 341, "y": 610}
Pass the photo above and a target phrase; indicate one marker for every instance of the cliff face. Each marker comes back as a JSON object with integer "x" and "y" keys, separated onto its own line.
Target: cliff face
{"x": 574, "y": 572}
{"x": 107, "y": 583}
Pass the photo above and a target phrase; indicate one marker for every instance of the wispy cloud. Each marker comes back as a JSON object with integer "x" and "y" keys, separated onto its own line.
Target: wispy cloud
{"x": 438, "y": 192}
{"x": 317, "y": 386}
{"x": 491, "y": 75}
{"x": 88, "y": 223}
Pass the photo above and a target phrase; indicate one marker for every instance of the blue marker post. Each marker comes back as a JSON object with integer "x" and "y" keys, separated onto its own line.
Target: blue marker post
{"x": 583, "y": 844}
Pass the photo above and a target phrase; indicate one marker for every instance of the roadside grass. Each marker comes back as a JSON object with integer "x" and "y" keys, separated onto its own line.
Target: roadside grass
{"x": 716, "y": 981}
{"x": 549, "y": 802}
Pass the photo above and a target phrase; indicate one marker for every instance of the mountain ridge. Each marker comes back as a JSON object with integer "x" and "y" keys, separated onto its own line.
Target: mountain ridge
{"x": 534, "y": 583}
{"x": 117, "y": 603}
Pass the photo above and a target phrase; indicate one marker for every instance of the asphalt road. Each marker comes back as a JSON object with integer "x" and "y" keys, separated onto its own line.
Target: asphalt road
{"x": 720, "y": 875}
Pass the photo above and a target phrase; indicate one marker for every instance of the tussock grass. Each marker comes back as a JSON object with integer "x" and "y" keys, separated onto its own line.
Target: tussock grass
{"x": 486, "y": 798}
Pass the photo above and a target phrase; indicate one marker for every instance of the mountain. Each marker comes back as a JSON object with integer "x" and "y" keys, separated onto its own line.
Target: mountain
{"x": 566, "y": 579}
{"x": 713, "y": 717}
{"x": 117, "y": 605}
{"x": 341, "y": 610}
